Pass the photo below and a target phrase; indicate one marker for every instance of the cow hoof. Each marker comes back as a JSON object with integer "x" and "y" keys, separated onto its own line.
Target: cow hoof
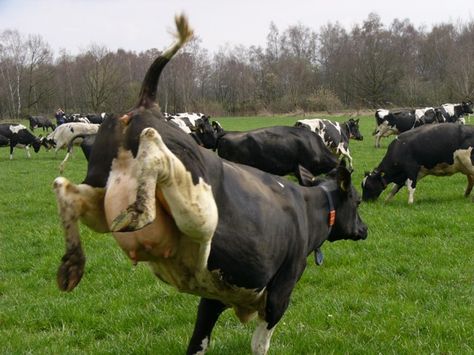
{"x": 71, "y": 270}
{"x": 318, "y": 257}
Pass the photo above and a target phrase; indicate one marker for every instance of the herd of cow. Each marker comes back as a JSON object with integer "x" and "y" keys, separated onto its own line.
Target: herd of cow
{"x": 211, "y": 211}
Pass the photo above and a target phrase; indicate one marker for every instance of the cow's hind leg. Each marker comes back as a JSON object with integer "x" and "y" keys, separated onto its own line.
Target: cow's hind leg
{"x": 77, "y": 202}
{"x": 192, "y": 206}
{"x": 261, "y": 338}
{"x": 208, "y": 313}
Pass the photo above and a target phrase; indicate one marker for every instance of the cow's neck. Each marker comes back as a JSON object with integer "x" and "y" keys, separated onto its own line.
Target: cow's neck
{"x": 332, "y": 209}
{"x": 347, "y": 130}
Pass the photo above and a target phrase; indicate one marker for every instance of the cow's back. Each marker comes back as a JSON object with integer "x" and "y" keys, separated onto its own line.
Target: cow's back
{"x": 430, "y": 145}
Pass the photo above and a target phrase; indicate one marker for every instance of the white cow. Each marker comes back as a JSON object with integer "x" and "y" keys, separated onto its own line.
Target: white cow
{"x": 65, "y": 133}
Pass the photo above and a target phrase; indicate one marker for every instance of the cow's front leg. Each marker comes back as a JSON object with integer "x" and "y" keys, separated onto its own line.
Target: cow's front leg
{"x": 192, "y": 206}
{"x": 392, "y": 193}
{"x": 411, "y": 185}
{"x": 77, "y": 202}
{"x": 208, "y": 313}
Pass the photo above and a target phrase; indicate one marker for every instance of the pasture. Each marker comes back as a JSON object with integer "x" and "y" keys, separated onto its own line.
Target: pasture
{"x": 408, "y": 288}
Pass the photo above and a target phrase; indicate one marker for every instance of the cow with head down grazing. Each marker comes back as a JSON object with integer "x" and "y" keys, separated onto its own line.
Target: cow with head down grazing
{"x": 231, "y": 234}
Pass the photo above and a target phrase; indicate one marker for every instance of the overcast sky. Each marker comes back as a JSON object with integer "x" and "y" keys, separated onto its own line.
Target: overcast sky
{"x": 142, "y": 24}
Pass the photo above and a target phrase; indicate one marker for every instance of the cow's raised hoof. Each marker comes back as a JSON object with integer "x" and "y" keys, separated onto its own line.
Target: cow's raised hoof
{"x": 71, "y": 269}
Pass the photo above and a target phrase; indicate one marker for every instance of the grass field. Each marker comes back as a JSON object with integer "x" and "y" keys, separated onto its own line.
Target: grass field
{"x": 407, "y": 289}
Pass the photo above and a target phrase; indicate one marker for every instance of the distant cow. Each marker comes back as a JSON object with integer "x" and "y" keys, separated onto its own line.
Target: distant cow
{"x": 388, "y": 123}
{"x": 87, "y": 141}
{"x": 442, "y": 149}
{"x": 95, "y": 118}
{"x": 334, "y": 134}
{"x": 195, "y": 124}
{"x": 456, "y": 112}
{"x": 65, "y": 133}
{"x": 18, "y": 135}
{"x": 280, "y": 150}
{"x": 233, "y": 235}
{"x": 40, "y": 121}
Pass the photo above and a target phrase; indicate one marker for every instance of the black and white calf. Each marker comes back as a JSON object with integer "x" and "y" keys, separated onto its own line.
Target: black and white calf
{"x": 388, "y": 123}
{"x": 334, "y": 134}
{"x": 234, "y": 235}
{"x": 442, "y": 149}
{"x": 18, "y": 135}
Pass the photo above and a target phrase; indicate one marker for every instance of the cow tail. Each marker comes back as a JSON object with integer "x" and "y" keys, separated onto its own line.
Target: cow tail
{"x": 149, "y": 87}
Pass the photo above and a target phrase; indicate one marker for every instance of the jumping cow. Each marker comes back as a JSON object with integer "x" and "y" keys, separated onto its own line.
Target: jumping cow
{"x": 18, "y": 135}
{"x": 334, "y": 134}
{"x": 234, "y": 235}
{"x": 40, "y": 121}
{"x": 442, "y": 149}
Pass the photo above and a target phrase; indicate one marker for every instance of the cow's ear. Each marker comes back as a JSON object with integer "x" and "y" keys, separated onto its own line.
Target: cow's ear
{"x": 343, "y": 178}
{"x": 307, "y": 179}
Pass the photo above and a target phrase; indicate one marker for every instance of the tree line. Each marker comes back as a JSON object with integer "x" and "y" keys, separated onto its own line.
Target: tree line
{"x": 298, "y": 69}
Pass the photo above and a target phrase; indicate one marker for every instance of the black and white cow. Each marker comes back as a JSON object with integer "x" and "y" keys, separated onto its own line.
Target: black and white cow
{"x": 456, "y": 112}
{"x": 442, "y": 149}
{"x": 41, "y": 121}
{"x": 234, "y": 235}
{"x": 18, "y": 135}
{"x": 334, "y": 134}
{"x": 388, "y": 123}
{"x": 279, "y": 150}
{"x": 195, "y": 124}
{"x": 96, "y": 118}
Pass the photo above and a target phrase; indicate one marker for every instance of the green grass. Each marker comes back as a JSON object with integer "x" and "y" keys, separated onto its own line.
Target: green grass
{"x": 407, "y": 289}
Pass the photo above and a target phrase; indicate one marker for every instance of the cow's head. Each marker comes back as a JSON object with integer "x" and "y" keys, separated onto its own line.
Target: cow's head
{"x": 341, "y": 194}
{"x": 216, "y": 126}
{"x": 372, "y": 185}
{"x": 36, "y": 144}
{"x": 47, "y": 143}
{"x": 467, "y": 107}
{"x": 205, "y": 133}
{"x": 354, "y": 132}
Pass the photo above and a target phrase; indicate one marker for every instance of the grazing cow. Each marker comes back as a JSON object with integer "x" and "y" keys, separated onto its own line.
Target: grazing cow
{"x": 40, "y": 121}
{"x": 18, "y": 135}
{"x": 334, "y": 134}
{"x": 231, "y": 234}
{"x": 279, "y": 150}
{"x": 388, "y": 123}
{"x": 442, "y": 149}
{"x": 456, "y": 112}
